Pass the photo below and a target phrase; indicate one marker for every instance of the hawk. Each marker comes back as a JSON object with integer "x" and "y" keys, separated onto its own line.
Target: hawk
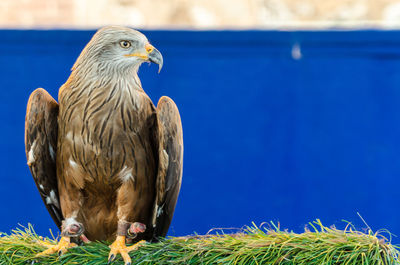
{"x": 106, "y": 161}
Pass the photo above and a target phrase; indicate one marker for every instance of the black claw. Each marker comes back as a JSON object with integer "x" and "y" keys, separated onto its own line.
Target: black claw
{"x": 59, "y": 253}
{"x": 128, "y": 263}
{"x": 111, "y": 259}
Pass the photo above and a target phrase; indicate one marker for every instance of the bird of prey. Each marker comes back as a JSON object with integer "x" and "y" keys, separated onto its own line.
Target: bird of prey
{"x": 106, "y": 161}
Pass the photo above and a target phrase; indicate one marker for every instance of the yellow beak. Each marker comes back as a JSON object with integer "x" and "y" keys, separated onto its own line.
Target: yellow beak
{"x": 145, "y": 56}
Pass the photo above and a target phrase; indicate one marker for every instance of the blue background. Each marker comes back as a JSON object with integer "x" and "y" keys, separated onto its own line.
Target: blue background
{"x": 268, "y": 135}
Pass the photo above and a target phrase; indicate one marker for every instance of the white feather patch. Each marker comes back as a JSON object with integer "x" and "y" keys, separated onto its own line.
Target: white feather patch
{"x": 126, "y": 174}
{"x": 70, "y": 220}
{"x": 52, "y": 199}
{"x": 73, "y": 163}
{"x": 165, "y": 159}
{"x": 69, "y": 136}
{"x": 31, "y": 154}
{"x": 159, "y": 211}
{"x": 52, "y": 154}
{"x": 41, "y": 187}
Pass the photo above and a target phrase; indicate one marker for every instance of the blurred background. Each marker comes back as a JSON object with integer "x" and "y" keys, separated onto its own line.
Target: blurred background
{"x": 200, "y": 14}
{"x": 290, "y": 109}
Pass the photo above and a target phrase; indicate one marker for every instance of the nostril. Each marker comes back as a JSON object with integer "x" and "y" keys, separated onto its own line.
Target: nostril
{"x": 149, "y": 48}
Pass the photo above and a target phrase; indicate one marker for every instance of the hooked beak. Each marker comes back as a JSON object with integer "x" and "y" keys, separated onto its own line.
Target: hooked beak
{"x": 154, "y": 56}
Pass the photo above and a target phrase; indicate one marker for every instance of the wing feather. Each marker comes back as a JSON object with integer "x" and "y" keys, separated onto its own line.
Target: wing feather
{"x": 41, "y": 130}
{"x": 170, "y": 151}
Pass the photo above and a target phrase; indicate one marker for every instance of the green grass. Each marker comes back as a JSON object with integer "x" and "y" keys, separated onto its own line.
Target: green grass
{"x": 252, "y": 245}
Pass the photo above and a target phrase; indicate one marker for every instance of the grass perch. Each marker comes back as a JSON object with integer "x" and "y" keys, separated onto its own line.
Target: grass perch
{"x": 252, "y": 245}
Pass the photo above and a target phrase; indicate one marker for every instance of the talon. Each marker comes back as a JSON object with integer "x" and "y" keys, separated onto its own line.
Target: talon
{"x": 60, "y": 248}
{"x": 120, "y": 247}
{"x": 111, "y": 258}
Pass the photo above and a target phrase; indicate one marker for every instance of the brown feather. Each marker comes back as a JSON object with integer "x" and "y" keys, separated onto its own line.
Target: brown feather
{"x": 40, "y": 146}
{"x": 94, "y": 146}
{"x": 119, "y": 159}
{"x": 170, "y": 175}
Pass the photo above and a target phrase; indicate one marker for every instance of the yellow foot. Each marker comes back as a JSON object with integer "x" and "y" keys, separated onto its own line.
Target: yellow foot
{"x": 60, "y": 248}
{"x": 119, "y": 246}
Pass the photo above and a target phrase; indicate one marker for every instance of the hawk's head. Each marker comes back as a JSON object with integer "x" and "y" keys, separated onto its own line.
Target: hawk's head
{"x": 116, "y": 50}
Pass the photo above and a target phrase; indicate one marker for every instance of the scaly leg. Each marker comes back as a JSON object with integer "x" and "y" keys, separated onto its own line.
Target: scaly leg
{"x": 127, "y": 200}
{"x": 71, "y": 199}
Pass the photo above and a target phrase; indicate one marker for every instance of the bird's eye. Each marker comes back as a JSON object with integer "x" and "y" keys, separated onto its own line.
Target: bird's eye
{"x": 125, "y": 44}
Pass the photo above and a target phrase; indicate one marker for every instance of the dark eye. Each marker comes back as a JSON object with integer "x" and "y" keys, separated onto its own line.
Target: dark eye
{"x": 125, "y": 44}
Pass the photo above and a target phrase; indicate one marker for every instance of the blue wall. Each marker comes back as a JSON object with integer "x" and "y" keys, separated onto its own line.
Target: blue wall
{"x": 267, "y": 136}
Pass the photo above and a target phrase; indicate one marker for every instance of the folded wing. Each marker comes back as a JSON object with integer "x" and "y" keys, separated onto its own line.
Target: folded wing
{"x": 40, "y": 145}
{"x": 169, "y": 178}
